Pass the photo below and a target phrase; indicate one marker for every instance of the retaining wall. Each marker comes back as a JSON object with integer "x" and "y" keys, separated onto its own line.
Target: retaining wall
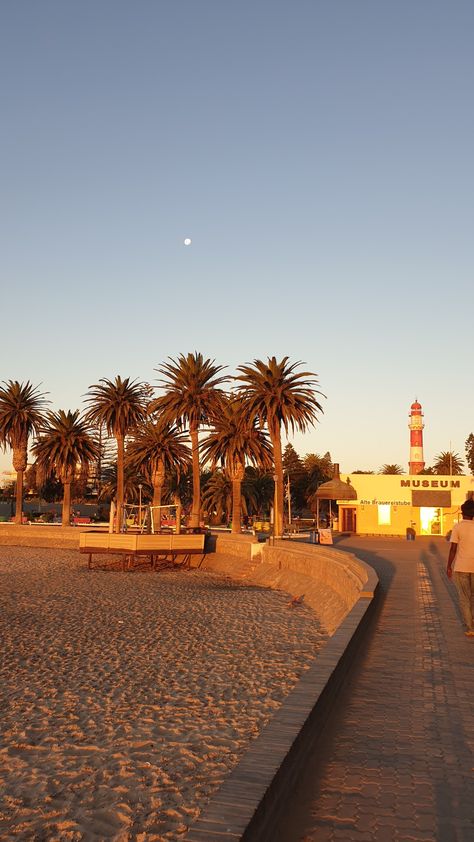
{"x": 330, "y": 581}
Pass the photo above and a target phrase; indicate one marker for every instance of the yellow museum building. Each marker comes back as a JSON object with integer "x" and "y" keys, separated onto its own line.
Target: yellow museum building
{"x": 390, "y": 504}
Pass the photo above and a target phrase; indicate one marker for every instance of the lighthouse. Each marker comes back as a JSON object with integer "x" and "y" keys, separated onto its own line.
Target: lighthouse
{"x": 416, "y": 463}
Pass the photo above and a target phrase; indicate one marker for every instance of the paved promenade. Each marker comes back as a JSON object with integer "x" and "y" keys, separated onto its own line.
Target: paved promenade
{"x": 397, "y": 759}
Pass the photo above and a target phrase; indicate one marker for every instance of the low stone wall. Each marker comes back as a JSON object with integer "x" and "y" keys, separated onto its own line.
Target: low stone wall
{"x": 31, "y": 535}
{"x": 331, "y": 581}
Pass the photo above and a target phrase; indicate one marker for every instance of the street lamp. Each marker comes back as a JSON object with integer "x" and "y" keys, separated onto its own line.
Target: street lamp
{"x": 288, "y": 492}
{"x": 275, "y": 506}
{"x": 140, "y": 486}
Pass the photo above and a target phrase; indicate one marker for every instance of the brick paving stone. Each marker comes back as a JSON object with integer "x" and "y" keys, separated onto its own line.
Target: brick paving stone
{"x": 399, "y": 744}
{"x": 384, "y": 834}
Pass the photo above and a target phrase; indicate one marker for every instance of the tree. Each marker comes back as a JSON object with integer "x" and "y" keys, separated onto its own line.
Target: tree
{"x": 234, "y": 440}
{"x": 391, "y": 469}
{"x": 120, "y": 405}
{"x": 258, "y": 491}
{"x": 294, "y": 471}
{"x": 131, "y": 481}
{"x": 65, "y": 444}
{"x": 21, "y": 414}
{"x": 319, "y": 470}
{"x": 469, "y": 448}
{"x": 192, "y": 397}
{"x": 51, "y": 490}
{"x": 448, "y": 463}
{"x": 217, "y": 496}
{"x": 157, "y": 448}
{"x": 178, "y": 490}
{"x": 279, "y": 396}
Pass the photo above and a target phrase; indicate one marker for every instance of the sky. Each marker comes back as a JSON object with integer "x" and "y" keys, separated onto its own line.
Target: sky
{"x": 318, "y": 153}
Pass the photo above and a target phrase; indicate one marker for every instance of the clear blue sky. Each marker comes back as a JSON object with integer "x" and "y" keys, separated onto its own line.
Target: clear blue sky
{"x": 318, "y": 153}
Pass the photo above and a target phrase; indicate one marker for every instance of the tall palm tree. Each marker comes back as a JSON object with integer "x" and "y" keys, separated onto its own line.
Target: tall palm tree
{"x": 448, "y": 463}
{"x": 278, "y": 396}
{"x": 192, "y": 397}
{"x": 66, "y": 443}
{"x": 391, "y": 469}
{"x": 21, "y": 413}
{"x": 120, "y": 405}
{"x": 157, "y": 448}
{"x": 234, "y": 440}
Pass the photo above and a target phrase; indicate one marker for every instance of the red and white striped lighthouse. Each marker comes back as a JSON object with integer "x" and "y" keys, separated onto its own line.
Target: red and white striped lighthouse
{"x": 416, "y": 463}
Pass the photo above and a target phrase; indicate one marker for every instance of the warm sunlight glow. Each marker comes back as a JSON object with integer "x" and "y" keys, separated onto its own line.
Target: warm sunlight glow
{"x": 384, "y": 515}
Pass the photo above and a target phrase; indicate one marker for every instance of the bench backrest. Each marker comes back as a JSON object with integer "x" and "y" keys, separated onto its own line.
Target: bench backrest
{"x": 124, "y": 541}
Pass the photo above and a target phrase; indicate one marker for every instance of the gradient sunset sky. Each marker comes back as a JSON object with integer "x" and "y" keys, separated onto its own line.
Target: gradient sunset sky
{"x": 318, "y": 154}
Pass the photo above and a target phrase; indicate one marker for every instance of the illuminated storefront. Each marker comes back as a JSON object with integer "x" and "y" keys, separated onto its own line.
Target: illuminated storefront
{"x": 388, "y": 504}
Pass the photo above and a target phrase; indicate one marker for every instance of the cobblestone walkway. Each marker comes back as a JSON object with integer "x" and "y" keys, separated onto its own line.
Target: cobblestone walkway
{"x": 396, "y": 761}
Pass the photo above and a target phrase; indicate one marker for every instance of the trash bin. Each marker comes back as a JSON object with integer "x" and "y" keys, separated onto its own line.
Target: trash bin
{"x": 313, "y": 536}
{"x": 410, "y": 533}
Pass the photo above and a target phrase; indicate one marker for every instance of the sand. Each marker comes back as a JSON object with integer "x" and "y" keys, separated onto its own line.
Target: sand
{"x": 126, "y": 698}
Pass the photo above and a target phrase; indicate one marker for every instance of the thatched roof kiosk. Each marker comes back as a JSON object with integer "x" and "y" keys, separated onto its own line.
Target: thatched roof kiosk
{"x": 334, "y": 489}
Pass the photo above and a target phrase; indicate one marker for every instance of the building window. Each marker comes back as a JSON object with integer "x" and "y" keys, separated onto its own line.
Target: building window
{"x": 384, "y": 515}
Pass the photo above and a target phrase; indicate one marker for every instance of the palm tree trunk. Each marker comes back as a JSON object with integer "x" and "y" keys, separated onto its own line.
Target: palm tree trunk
{"x": 236, "y": 505}
{"x": 279, "y": 493}
{"x": 237, "y": 473}
{"x": 157, "y": 493}
{"x": 19, "y": 497}
{"x": 120, "y": 481}
{"x": 19, "y": 465}
{"x": 158, "y": 479}
{"x": 196, "y": 509}
{"x": 66, "y": 513}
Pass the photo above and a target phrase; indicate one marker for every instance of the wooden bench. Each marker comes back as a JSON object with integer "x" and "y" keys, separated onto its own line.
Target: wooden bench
{"x": 162, "y": 550}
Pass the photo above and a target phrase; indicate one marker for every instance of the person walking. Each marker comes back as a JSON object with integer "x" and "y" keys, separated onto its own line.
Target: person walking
{"x": 461, "y": 564}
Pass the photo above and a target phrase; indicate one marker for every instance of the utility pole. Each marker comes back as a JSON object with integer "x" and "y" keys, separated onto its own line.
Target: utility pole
{"x": 288, "y": 493}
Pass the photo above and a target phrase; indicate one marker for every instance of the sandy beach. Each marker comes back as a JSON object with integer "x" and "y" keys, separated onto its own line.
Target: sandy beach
{"x": 126, "y": 698}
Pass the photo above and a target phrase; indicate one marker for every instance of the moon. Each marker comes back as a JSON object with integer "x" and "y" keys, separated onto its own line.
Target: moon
{"x": 187, "y": 241}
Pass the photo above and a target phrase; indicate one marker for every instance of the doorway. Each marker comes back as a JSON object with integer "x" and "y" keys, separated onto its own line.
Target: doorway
{"x": 431, "y": 521}
{"x": 349, "y": 520}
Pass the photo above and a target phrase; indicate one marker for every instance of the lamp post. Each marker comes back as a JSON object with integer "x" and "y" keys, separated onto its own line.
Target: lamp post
{"x": 288, "y": 491}
{"x": 140, "y": 486}
{"x": 275, "y": 505}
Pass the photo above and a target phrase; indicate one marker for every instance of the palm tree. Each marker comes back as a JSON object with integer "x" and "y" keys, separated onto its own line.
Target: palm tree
{"x": 391, "y": 469}
{"x": 21, "y": 414}
{"x": 258, "y": 491}
{"x": 217, "y": 496}
{"x": 157, "y": 448}
{"x": 120, "y": 405}
{"x": 192, "y": 398}
{"x": 178, "y": 489}
{"x": 235, "y": 439}
{"x": 278, "y": 396}
{"x": 319, "y": 469}
{"x": 66, "y": 443}
{"x": 131, "y": 481}
{"x": 448, "y": 463}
